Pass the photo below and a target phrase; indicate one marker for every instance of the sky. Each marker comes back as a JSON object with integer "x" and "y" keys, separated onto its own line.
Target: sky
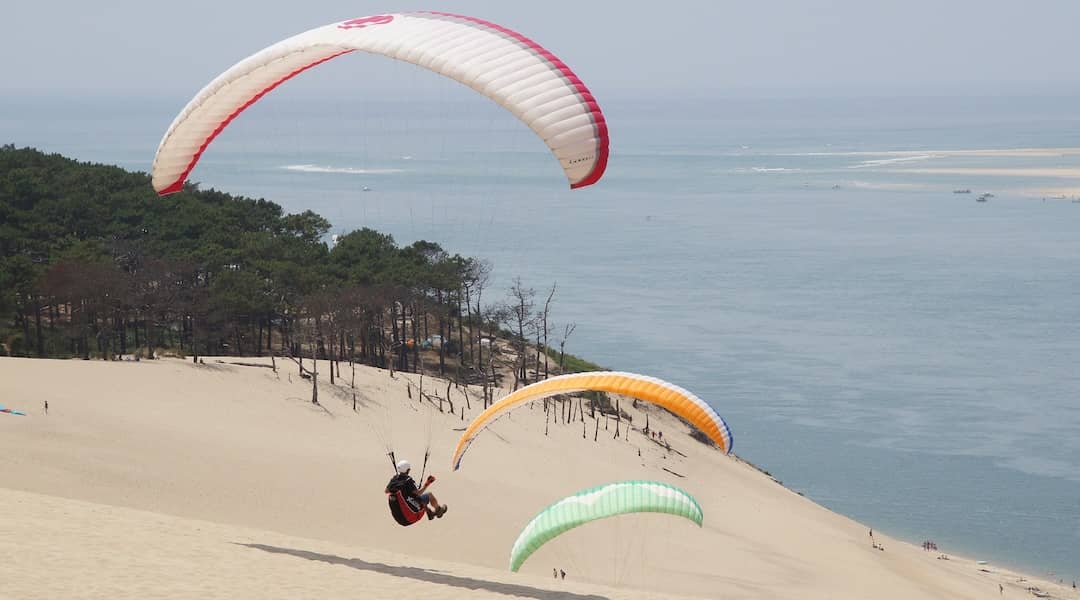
{"x": 769, "y": 47}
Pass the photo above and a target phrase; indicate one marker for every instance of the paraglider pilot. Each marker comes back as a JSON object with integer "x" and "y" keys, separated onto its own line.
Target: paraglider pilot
{"x": 404, "y": 483}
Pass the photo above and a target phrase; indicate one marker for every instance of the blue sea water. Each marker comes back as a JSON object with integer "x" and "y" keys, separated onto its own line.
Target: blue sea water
{"x": 897, "y": 352}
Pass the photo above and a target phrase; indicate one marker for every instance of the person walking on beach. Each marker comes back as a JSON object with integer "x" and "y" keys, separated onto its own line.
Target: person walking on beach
{"x": 46, "y": 408}
{"x": 1001, "y": 589}
{"x": 563, "y": 573}
{"x": 404, "y": 483}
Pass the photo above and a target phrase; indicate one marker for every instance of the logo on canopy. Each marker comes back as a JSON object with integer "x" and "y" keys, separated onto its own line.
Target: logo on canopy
{"x": 365, "y": 21}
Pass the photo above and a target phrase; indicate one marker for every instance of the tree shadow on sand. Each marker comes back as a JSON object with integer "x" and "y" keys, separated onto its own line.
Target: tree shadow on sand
{"x": 429, "y": 575}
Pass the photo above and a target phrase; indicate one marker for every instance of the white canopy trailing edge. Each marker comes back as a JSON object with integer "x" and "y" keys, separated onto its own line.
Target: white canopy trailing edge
{"x": 514, "y": 71}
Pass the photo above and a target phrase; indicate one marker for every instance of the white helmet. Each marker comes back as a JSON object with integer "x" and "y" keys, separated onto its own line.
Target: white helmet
{"x": 403, "y": 466}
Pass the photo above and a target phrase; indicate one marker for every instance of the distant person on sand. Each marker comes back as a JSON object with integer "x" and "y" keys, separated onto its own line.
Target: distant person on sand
{"x": 404, "y": 483}
{"x": 563, "y": 573}
{"x": 1001, "y": 589}
{"x": 555, "y": 573}
{"x": 46, "y": 407}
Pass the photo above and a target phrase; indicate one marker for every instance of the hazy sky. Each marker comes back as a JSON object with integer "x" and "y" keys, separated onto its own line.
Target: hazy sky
{"x": 779, "y": 46}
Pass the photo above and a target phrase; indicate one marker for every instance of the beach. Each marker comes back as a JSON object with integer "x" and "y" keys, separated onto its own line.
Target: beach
{"x": 167, "y": 479}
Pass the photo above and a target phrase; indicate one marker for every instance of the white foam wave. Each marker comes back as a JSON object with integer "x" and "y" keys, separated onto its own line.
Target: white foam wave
{"x": 881, "y": 162}
{"x": 331, "y": 169}
{"x": 773, "y": 170}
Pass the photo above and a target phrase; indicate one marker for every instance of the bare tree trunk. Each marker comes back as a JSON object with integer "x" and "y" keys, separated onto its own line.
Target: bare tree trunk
{"x": 546, "y": 329}
{"x": 394, "y": 337}
{"x": 404, "y": 366}
{"x": 194, "y": 342}
{"x": 484, "y": 383}
{"x": 26, "y": 329}
{"x": 538, "y": 351}
{"x": 37, "y": 329}
{"x": 472, "y": 323}
{"x": 416, "y": 339}
{"x": 562, "y": 344}
{"x": 444, "y": 337}
{"x": 341, "y": 351}
{"x": 330, "y": 358}
{"x": 120, "y": 327}
{"x": 460, "y": 332}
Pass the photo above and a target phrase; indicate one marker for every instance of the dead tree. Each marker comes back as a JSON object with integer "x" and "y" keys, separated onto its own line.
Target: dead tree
{"x": 521, "y": 320}
{"x": 543, "y": 330}
{"x": 477, "y": 275}
{"x": 567, "y": 330}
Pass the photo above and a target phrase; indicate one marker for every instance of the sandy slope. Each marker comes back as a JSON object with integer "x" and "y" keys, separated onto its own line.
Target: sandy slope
{"x": 242, "y": 488}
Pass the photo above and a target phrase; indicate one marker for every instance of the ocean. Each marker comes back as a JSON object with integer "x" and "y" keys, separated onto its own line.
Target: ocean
{"x": 879, "y": 342}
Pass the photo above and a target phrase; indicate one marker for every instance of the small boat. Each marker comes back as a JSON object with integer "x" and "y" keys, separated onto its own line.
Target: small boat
{"x": 964, "y": 191}
{"x": 365, "y": 189}
{"x": 984, "y": 197}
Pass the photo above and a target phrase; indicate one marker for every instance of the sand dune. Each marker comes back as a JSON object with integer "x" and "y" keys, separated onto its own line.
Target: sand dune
{"x": 168, "y": 479}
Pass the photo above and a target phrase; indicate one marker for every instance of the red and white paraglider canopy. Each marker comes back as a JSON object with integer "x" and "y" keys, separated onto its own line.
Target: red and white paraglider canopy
{"x": 514, "y": 71}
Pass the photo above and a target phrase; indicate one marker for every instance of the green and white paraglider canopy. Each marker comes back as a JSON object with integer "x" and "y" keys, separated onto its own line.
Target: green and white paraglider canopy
{"x": 601, "y": 502}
